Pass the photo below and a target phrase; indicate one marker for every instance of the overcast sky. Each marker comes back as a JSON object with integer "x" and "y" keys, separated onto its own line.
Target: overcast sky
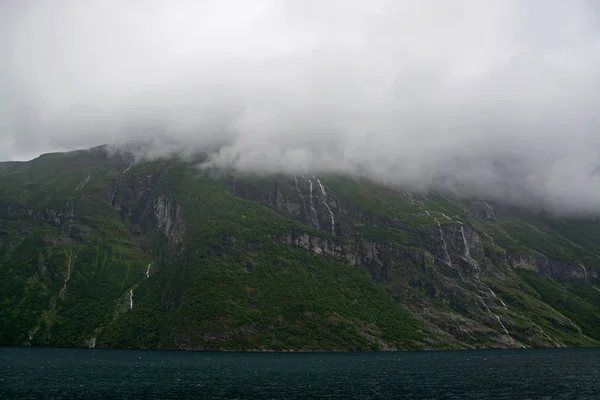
{"x": 489, "y": 97}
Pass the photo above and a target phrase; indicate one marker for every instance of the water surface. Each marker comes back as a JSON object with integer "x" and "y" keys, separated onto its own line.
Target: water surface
{"x": 34, "y": 373}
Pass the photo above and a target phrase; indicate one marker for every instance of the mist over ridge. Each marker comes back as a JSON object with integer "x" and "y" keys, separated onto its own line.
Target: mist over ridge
{"x": 491, "y": 99}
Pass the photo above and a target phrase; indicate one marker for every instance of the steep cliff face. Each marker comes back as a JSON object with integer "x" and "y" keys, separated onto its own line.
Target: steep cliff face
{"x": 100, "y": 251}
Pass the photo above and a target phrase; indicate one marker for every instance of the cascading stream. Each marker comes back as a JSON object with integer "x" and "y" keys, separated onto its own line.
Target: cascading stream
{"x": 313, "y": 210}
{"x": 544, "y": 334}
{"x": 324, "y": 193}
{"x": 444, "y": 244}
{"x": 300, "y": 195}
{"x": 80, "y": 187}
{"x": 114, "y": 193}
{"x": 496, "y": 296}
{"x": 498, "y": 319}
{"x": 131, "y": 299}
{"x": 495, "y": 245}
{"x": 584, "y": 272}
{"x": 412, "y": 200}
{"x": 148, "y": 268}
{"x": 68, "y": 277}
{"x": 467, "y": 253}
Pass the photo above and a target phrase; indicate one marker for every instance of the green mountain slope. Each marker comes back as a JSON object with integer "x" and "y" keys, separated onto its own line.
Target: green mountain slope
{"x": 98, "y": 251}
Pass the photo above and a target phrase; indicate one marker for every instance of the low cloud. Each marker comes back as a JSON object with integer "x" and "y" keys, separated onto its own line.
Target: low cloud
{"x": 493, "y": 99}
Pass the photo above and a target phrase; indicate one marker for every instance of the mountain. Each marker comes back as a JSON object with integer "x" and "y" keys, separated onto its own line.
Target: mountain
{"x": 96, "y": 250}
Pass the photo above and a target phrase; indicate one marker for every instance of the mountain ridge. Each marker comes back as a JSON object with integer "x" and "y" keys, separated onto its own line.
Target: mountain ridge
{"x": 98, "y": 250}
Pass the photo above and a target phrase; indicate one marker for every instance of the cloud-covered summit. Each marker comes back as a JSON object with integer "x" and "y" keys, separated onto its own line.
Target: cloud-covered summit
{"x": 494, "y": 98}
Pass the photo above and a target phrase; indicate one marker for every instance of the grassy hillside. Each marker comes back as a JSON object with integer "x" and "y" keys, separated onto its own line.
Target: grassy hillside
{"x": 96, "y": 250}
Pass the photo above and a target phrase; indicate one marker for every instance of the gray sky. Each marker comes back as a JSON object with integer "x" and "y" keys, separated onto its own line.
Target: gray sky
{"x": 496, "y": 98}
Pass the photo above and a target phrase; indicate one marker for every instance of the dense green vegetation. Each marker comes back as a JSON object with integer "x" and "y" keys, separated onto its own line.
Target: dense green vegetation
{"x": 163, "y": 254}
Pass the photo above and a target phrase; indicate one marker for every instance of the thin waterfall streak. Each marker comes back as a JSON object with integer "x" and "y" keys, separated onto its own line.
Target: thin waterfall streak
{"x": 114, "y": 193}
{"x": 324, "y": 193}
{"x": 544, "y": 334}
{"x": 498, "y": 319}
{"x": 501, "y": 324}
{"x": 127, "y": 169}
{"x": 467, "y": 253}
{"x": 313, "y": 210}
{"x": 445, "y": 247}
{"x": 495, "y": 245}
{"x": 408, "y": 195}
{"x": 301, "y": 197}
{"x": 68, "y": 277}
{"x": 585, "y": 275}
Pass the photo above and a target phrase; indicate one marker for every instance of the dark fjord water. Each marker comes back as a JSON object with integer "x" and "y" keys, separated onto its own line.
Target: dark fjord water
{"x": 34, "y": 373}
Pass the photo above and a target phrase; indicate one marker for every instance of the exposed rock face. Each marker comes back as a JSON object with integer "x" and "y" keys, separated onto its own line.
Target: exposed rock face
{"x": 555, "y": 269}
{"x": 425, "y": 256}
{"x": 169, "y": 218}
{"x": 481, "y": 209}
{"x": 55, "y": 217}
{"x": 306, "y": 203}
{"x": 464, "y": 244}
{"x": 377, "y": 258}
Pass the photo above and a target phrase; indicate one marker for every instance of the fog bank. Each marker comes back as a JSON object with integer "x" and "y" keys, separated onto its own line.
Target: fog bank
{"x": 497, "y": 99}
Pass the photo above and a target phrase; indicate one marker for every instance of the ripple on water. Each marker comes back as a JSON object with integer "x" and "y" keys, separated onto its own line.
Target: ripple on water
{"x": 32, "y": 373}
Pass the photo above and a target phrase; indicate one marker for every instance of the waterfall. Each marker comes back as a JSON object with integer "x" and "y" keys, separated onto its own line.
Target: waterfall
{"x": 127, "y": 169}
{"x": 131, "y": 299}
{"x": 300, "y": 196}
{"x": 484, "y": 304}
{"x": 494, "y": 244}
{"x": 467, "y": 254}
{"x": 487, "y": 205}
{"x": 80, "y": 187}
{"x": 496, "y": 316}
{"x": 409, "y": 197}
{"x": 64, "y": 287}
{"x": 596, "y": 288}
{"x": 584, "y": 272}
{"x": 573, "y": 324}
{"x": 148, "y": 270}
{"x": 501, "y": 324}
{"x": 444, "y": 245}
{"x": 447, "y": 217}
{"x": 92, "y": 343}
{"x": 462, "y": 232}
{"x": 544, "y": 334}
{"x": 112, "y": 198}
{"x": 496, "y": 297}
{"x": 428, "y": 213}
{"x": 313, "y": 210}
{"x": 326, "y": 205}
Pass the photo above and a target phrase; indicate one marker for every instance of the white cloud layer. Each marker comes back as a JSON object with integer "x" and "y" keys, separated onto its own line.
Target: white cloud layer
{"x": 494, "y": 98}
